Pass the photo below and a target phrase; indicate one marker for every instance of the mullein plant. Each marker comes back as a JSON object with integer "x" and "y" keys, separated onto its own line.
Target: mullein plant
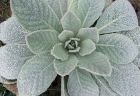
{"x": 92, "y": 47}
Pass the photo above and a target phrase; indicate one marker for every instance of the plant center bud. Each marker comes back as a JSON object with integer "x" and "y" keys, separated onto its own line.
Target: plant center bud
{"x": 72, "y": 45}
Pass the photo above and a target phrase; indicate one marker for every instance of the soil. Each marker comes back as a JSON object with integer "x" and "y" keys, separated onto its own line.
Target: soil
{"x": 54, "y": 90}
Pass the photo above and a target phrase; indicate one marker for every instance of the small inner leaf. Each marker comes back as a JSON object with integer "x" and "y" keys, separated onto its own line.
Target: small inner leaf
{"x": 89, "y": 33}
{"x": 59, "y": 52}
{"x": 65, "y": 35}
{"x": 65, "y": 67}
{"x": 87, "y": 47}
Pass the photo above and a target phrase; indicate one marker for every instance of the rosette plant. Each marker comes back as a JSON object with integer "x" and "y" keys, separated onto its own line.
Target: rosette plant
{"x": 93, "y": 48}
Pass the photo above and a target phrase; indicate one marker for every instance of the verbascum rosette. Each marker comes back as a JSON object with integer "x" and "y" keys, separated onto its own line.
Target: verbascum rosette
{"x": 95, "y": 46}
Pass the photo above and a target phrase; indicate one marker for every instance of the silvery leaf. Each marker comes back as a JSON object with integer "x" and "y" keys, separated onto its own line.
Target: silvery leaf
{"x": 81, "y": 83}
{"x": 89, "y": 33}
{"x": 125, "y": 80}
{"x": 12, "y": 32}
{"x": 120, "y": 16}
{"x": 64, "y": 68}
{"x": 87, "y": 47}
{"x": 104, "y": 87}
{"x": 59, "y": 6}
{"x": 59, "y": 52}
{"x": 108, "y": 3}
{"x": 65, "y": 35}
{"x": 72, "y": 5}
{"x": 135, "y": 36}
{"x": 119, "y": 48}
{"x": 36, "y": 76}
{"x": 35, "y": 15}
{"x": 104, "y": 92}
{"x": 71, "y": 22}
{"x": 96, "y": 63}
{"x": 88, "y": 10}
{"x": 42, "y": 41}
{"x": 12, "y": 58}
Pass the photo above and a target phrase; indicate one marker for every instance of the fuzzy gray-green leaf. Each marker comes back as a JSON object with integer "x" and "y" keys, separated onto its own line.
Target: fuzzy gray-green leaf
{"x": 81, "y": 83}
{"x": 12, "y": 31}
{"x": 65, "y": 35}
{"x": 12, "y": 58}
{"x": 125, "y": 80}
{"x": 59, "y": 7}
{"x": 120, "y": 16}
{"x": 135, "y": 36}
{"x": 36, "y": 15}
{"x": 71, "y": 22}
{"x": 96, "y": 63}
{"x": 59, "y": 52}
{"x": 89, "y": 11}
{"x": 119, "y": 48}
{"x": 65, "y": 67}
{"x": 36, "y": 76}
{"x": 87, "y": 47}
{"x": 89, "y": 33}
{"x": 42, "y": 41}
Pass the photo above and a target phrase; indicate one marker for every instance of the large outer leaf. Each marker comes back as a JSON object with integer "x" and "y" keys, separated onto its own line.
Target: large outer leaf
{"x": 35, "y": 15}
{"x": 105, "y": 92}
{"x": 96, "y": 63}
{"x": 36, "y": 76}
{"x": 15, "y": 53}
{"x": 72, "y": 5}
{"x": 81, "y": 83}
{"x": 119, "y": 48}
{"x": 89, "y": 11}
{"x": 104, "y": 87}
{"x": 59, "y": 6}
{"x": 71, "y": 22}
{"x": 12, "y": 58}
{"x": 108, "y": 3}
{"x": 11, "y": 31}
{"x": 120, "y": 16}
{"x": 42, "y": 41}
{"x": 125, "y": 80}
{"x": 135, "y": 36}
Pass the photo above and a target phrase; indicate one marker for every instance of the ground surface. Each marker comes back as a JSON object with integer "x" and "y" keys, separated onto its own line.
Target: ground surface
{"x": 54, "y": 90}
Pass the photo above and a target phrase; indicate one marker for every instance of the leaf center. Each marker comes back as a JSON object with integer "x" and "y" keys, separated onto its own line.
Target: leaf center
{"x": 72, "y": 45}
